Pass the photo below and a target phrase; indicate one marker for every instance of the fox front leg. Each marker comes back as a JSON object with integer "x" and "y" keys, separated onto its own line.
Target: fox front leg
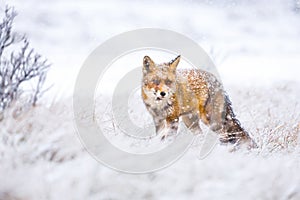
{"x": 171, "y": 128}
{"x": 159, "y": 125}
{"x": 191, "y": 121}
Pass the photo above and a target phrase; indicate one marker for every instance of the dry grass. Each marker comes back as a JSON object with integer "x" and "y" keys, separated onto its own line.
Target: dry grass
{"x": 42, "y": 158}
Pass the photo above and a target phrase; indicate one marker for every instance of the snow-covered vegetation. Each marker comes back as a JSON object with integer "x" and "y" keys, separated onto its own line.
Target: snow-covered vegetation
{"x": 256, "y": 48}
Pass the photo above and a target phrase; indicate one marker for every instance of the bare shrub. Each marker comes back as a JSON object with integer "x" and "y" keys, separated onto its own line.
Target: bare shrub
{"x": 20, "y": 66}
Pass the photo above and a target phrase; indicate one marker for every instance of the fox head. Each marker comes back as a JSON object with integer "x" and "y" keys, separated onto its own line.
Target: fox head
{"x": 159, "y": 81}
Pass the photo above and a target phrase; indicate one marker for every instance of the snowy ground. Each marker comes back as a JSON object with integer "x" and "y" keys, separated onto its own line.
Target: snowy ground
{"x": 256, "y": 47}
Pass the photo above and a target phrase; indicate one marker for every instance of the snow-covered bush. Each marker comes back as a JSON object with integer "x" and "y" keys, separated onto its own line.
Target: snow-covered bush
{"x": 21, "y": 69}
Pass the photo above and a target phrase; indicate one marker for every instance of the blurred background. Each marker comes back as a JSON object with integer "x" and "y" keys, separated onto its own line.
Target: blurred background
{"x": 251, "y": 41}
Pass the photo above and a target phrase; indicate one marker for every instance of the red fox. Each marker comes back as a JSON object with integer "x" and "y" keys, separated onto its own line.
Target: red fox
{"x": 192, "y": 95}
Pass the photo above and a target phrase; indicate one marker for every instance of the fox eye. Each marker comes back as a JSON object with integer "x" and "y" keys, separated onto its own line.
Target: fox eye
{"x": 168, "y": 82}
{"x": 156, "y": 81}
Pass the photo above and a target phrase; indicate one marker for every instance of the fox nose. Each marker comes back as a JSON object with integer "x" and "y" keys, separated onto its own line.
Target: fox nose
{"x": 162, "y": 94}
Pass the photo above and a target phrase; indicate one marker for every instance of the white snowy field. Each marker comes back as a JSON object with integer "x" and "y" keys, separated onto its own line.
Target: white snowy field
{"x": 255, "y": 46}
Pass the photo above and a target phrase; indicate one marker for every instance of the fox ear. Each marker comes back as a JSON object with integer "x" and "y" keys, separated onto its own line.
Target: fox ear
{"x": 174, "y": 63}
{"x": 148, "y": 64}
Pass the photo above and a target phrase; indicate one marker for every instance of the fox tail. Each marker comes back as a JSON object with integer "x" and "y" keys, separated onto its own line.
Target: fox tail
{"x": 232, "y": 129}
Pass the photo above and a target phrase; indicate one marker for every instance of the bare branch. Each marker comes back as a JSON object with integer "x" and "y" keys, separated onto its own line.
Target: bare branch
{"x": 20, "y": 67}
